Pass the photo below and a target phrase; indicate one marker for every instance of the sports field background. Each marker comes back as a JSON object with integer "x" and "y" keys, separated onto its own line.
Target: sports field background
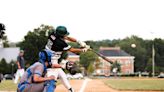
{"x": 124, "y": 84}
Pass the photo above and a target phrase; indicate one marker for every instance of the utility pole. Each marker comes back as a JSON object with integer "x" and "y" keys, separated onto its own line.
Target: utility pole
{"x": 153, "y": 60}
{"x": 153, "y": 56}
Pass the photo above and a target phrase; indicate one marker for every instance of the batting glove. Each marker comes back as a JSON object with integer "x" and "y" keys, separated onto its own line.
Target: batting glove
{"x": 86, "y": 48}
{"x": 82, "y": 44}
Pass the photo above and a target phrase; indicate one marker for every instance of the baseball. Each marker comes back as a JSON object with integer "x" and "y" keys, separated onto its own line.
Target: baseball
{"x": 133, "y": 45}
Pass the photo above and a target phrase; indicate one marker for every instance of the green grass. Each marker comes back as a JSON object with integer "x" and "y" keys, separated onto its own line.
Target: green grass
{"x": 136, "y": 84}
{"x": 8, "y": 85}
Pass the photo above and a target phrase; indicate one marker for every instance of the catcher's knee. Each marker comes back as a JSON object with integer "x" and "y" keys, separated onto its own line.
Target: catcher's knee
{"x": 50, "y": 86}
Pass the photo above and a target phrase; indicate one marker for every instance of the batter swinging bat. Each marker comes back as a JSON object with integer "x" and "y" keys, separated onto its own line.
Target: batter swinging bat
{"x": 102, "y": 56}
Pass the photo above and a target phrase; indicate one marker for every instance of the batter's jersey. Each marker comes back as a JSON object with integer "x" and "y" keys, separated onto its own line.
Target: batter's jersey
{"x": 36, "y": 68}
{"x": 56, "y": 43}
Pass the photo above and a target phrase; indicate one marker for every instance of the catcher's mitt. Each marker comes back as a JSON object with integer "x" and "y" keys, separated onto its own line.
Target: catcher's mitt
{"x": 72, "y": 68}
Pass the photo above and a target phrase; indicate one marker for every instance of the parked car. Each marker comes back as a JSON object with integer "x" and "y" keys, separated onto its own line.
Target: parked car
{"x": 8, "y": 77}
{"x": 161, "y": 75}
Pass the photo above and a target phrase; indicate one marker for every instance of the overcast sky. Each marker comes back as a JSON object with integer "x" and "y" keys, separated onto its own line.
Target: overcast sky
{"x": 85, "y": 19}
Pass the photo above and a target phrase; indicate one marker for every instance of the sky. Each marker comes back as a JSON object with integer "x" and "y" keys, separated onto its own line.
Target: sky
{"x": 85, "y": 19}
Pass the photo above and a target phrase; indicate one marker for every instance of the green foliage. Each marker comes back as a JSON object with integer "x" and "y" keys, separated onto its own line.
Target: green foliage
{"x": 7, "y": 68}
{"x": 87, "y": 58}
{"x": 90, "y": 68}
{"x": 3, "y": 66}
{"x": 139, "y": 52}
{"x": 116, "y": 65}
{"x": 5, "y": 41}
{"x": 34, "y": 42}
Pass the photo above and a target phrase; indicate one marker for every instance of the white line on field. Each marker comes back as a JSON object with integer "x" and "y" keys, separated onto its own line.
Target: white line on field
{"x": 84, "y": 85}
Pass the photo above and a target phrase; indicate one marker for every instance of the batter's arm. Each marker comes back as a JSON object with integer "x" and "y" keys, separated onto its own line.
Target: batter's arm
{"x": 56, "y": 66}
{"x": 70, "y": 39}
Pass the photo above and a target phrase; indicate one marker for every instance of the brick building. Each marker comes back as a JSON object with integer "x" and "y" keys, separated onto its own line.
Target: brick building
{"x": 114, "y": 54}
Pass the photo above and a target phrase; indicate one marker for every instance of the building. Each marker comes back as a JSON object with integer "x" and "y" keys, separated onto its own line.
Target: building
{"x": 114, "y": 54}
{"x": 9, "y": 54}
{"x": 73, "y": 57}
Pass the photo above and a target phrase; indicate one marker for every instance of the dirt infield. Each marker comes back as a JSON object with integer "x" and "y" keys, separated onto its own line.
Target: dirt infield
{"x": 91, "y": 85}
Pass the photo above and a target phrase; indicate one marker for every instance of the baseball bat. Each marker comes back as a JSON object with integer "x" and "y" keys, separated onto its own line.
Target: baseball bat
{"x": 102, "y": 56}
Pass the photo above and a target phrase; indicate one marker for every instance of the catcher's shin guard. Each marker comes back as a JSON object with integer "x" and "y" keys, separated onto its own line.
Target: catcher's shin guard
{"x": 50, "y": 86}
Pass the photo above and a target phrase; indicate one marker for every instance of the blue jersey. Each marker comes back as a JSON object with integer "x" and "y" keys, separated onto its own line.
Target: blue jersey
{"x": 36, "y": 68}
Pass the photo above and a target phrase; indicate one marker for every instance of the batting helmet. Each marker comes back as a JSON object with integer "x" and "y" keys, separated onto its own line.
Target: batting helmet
{"x": 45, "y": 56}
{"x": 62, "y": 31}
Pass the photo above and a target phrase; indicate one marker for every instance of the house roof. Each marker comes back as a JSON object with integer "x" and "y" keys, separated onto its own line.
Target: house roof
{"x": 112, "y": 51}
{"x": 9, "y": 54}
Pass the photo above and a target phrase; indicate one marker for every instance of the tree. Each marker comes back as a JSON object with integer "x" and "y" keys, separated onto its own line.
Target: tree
{"x": 116, "y": 65}
{"x": 90, "y": 68}
{"x": 139, "y": 52}
{"x": 3, "y": 66}
{"x": 87, "y": 59}
{"x": 34, "y": 42}
{"x": 5, "y": 41}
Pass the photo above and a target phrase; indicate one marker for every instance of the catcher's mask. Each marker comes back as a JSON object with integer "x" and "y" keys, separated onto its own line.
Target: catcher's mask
{"x": 45, "y": 56}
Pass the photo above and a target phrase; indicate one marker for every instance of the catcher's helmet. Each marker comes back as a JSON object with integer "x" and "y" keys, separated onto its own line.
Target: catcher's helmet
{"x": 45, "y": 56}
{"x": 62, "y": 31}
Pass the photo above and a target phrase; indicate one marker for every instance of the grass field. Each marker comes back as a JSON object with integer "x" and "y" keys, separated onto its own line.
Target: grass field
{"x": 136, "y": 84}
{"x": 7, "y": 85}
{"x": 120, "y": 84}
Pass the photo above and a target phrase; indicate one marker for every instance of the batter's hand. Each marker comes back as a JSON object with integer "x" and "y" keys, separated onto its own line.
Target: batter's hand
{"x": 82, "y": 44}
{"x": 86, "y": 48}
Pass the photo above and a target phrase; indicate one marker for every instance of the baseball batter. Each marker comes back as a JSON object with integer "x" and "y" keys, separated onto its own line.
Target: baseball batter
{"x": 57, "y": 44}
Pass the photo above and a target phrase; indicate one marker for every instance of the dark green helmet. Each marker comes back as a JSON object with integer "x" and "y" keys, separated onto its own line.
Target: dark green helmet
{"x": 62, "y": 31}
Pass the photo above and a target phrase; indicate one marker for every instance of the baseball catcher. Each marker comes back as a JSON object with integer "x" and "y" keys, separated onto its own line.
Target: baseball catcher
{"x": 34, "y": 79}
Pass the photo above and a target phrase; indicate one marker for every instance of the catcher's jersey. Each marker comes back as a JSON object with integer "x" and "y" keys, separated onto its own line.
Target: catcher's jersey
{"x": 36, "y": 68}
{"x": 56, "y": 43}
